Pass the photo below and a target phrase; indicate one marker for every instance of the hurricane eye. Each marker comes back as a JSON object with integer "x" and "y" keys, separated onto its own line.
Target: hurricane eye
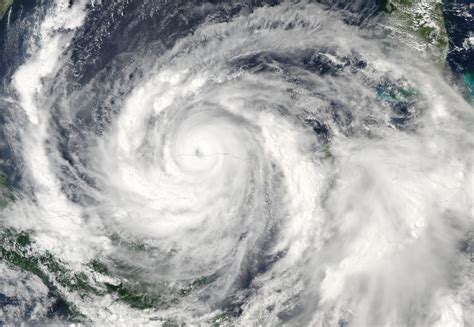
{"x": 236, "y": 163}
{"x": 198, "y": 152}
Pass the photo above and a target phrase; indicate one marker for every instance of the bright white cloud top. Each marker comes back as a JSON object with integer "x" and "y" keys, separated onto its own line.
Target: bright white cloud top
{"x": 281, "y": 167}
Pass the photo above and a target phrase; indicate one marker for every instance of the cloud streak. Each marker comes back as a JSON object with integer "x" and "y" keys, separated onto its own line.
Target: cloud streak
{"x": 309, "y": 173}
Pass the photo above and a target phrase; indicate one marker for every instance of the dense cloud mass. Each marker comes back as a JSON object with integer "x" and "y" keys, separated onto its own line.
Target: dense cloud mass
{"x": 264, "y": 165}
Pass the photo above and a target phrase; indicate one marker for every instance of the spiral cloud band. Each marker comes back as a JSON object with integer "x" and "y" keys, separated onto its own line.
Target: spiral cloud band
{"x": 276, "y": 166}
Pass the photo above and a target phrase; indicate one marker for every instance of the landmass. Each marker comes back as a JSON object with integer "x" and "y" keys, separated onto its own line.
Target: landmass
{"x": 4, "y": 5}
{"x": 419, "y": 24}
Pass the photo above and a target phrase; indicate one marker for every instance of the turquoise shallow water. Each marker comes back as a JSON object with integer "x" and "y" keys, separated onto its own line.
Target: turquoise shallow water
{"x": 220, "y": 163}
{"x": 469, "y": 84}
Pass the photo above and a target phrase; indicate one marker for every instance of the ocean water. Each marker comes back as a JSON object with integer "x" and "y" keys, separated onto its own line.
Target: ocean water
{"x": 235, "y": 163}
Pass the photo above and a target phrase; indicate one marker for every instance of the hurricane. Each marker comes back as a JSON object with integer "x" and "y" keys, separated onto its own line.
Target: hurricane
{"x": 230, "y": 163}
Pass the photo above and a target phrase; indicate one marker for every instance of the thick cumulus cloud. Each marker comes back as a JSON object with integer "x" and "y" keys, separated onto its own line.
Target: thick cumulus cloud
{"x": 310, "y": 172}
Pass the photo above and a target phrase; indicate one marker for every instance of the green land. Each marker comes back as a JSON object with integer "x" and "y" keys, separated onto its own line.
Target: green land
{"x": 419, "y": 24}
{"x": 6, "y": 192}
{"x": 421, "y": 20}
{"x": 4, "y": 5}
